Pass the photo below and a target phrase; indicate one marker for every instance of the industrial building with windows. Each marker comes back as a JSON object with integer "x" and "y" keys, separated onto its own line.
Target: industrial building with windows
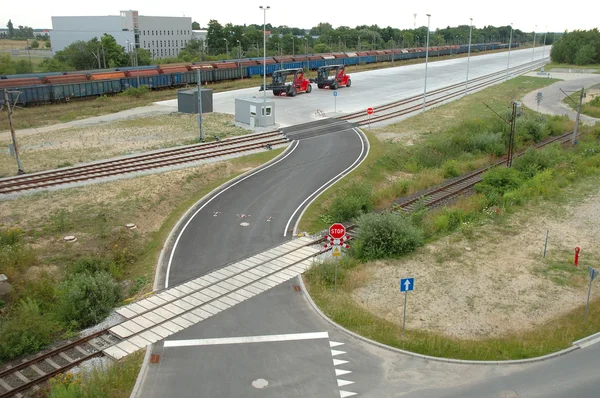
{"x": 162, "y": 36}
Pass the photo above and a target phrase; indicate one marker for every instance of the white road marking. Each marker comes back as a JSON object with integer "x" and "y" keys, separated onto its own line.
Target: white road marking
{"x": 247, "y": 339}
{"x": 343, "y": 173}
{"x": 334, "y": 344}
{"x": 342, "y": 383}
{"x": 335, "y": 352}
{"x": 337, "y": 362}
{"x": 344, "y": 394}
{"x": 341, "y": 372}
{"x": 207, "y": 202}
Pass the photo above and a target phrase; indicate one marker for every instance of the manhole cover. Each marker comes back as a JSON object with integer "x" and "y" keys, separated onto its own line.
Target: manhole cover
{"x": 260, "y": 383}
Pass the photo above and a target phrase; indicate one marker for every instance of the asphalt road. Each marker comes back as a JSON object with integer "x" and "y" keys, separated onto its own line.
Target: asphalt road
{"x": 307, "y": 368}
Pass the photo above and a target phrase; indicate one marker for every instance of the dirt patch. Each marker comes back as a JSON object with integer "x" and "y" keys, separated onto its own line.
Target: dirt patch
{"x": 496, "y": 281}
{"x": 66, "y": 147}
{"x": 591, "y": 93}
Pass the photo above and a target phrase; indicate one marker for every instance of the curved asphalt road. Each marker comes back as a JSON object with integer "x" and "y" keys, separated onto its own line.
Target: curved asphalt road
{"x": 305, "y": 369}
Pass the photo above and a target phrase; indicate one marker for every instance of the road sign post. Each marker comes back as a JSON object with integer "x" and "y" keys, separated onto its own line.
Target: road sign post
{"x": 406, "y": 285}
{"x": 337, "y": 236}
{"x": 369, "y": 112}
{"x": 335, "y": 94}
{"x": 539, "y": 99}
{"x": 593, "y": 275}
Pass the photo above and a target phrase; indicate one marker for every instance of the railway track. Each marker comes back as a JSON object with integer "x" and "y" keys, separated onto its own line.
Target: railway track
{"x": 179, "y": 306}
{"x": 453, "y": 188}
{"x": 30, "y": 374}
{"x": 140, "y": 163}
{"x": 400, "y": 108}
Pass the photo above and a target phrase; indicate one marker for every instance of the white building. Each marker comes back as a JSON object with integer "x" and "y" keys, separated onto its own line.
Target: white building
{"x": 162, "y": 36}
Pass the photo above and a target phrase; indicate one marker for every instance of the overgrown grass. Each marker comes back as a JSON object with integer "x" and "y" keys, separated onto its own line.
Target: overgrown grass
{"x": 550, "y": 66}
{"x": 551, "y": 337}
{"x": 108, "y": 381}
{"x": 66, "y": 287}
{"x": 537, "y": 177}
{"x": 590, "y": 108}
{"x": 467, "y": 144}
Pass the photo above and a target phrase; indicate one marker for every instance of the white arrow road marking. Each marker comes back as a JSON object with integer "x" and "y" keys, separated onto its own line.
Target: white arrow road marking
{"x": 334, "y": 344}
{"x": 341, "y": 372}
{"x": 344, "y": 394}
{"x": 337, "y": 362}
{"x": 342, "y": 383}
{"x": 335, "y": 352}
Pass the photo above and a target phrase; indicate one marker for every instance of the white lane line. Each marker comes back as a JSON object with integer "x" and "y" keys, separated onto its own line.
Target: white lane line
{"x": 350, "y": 168}
{"x": 210, "y": 200}
{"x": 247, "y": 339}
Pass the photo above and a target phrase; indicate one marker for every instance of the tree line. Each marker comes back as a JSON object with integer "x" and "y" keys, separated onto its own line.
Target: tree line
{"x": 580, "y": 47}
{"x": 240, "y": 41}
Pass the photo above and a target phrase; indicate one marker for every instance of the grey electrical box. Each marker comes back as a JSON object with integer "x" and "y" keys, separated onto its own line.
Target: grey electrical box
{"x": 187, "y": 100}
{"x": 255, "y": 112}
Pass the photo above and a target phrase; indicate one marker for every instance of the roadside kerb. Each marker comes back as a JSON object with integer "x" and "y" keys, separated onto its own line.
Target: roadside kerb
{"x": 168, "y": 245}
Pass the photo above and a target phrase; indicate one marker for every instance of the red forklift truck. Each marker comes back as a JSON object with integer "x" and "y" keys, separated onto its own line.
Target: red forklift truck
{"x": 332, "y": 76}
{"x": 288, "y": 82}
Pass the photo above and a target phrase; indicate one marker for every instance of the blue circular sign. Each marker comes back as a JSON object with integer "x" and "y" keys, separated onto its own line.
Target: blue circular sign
{"x": 335, "y": 93}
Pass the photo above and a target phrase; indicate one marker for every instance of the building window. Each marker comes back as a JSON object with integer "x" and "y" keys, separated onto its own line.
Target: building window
{"x": 144, "y": 43}
{"x": 152, "y": 43}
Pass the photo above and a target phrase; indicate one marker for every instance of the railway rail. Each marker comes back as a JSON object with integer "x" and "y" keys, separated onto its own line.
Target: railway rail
{"x": 453, "y": 188}
{"x": 179, "y": 306}
{"x": 399, "y": 108}
{"x": 138, "y": 163}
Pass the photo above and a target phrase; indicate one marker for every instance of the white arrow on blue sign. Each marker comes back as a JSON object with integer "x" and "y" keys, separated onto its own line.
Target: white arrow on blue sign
{"x": 335, "y": 93}
{"x": 407, "y": 284}
{"x": 593, "y": 272}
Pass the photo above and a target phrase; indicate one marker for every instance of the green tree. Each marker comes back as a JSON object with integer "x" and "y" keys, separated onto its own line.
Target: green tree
{"x": 11, "y": 29}
{"x": 7, "y": 66}
{"x": 215, "y": 36}
{"x": 23, "y": 66}
{"x": 54, "y": 65}
{"x": 78, "y": 55}
{"x": 48, "y": 44}
{"x": 35, "y": 44}
{"x": 585, "y": 55}
{"x": 144, "y": 56}
{"x": 112, "y": 51}
{"x": 195, "y": 26}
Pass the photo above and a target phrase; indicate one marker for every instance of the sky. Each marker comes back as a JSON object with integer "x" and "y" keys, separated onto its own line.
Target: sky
{"x": 524, "y": 15}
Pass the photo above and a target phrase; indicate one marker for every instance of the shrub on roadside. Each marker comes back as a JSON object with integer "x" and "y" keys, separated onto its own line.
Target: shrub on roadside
{"x": 497, "y": 181}
{"x": 136, "y": 91}
{"x": 536, "y": 160}
{"x": 86, "y": 299}
{"x": 386, "y": 235}
{"x": 325, "y": 273}
{"x": 27, "y": 329}
{"x": 355, "y": 201}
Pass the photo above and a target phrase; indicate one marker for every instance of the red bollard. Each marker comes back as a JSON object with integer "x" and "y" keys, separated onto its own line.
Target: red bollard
{"x": 577, "y": 249}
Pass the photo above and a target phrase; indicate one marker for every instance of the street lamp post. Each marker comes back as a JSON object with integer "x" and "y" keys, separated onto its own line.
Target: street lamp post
{"x": 226, "y": 47}
{"x": 544, "y": 47}
{"x": 426, "y": 58}
{"x": 264, "y": 59}
{"x": 469, "y": 56}
{"x": 134, "y": 56}
{"x": 306, "y": 50}
{"x": 358, "y": 49}
{"x": 533, "y": 52}
{"x": 509, "y": 45}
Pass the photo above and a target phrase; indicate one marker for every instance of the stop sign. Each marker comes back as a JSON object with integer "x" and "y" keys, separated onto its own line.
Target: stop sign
{"x": 337, "y": 231}
{"x": 370, "y": 111}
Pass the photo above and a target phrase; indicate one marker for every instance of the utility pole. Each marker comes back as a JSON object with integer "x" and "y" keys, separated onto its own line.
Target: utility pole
{"x": 511, "y": 141}
{"x": 12, "y": 129}
{"x": 200, "y": 104}
{"x": 574, "y": 140}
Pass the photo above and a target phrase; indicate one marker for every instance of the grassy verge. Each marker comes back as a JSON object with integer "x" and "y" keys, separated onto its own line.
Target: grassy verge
{"x": 114, "y": 381}
{"x": 67, "y": 147}
{"x": 47, "y": 274}
{"x": 567, "y": 177}
{"x": 550, "y": 66}
{"x": 444, "y": 142}
{"x": 589, "y": 108}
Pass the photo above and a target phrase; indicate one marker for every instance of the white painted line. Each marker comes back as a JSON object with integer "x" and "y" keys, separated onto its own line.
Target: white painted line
{"x": 341, "y": 372}
{"x": 337, "y": 362}
{"x": 344, "y": 394}
{"x": 342, "y": 383}
{"x": 210, "y": 200}
{"x": 362, "y": 149}
{"x": 247, "y": 339}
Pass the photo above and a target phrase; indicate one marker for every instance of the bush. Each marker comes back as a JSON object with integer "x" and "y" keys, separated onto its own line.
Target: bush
{"x": 497, "y": 181}
{"x": 386, "y": 235}
{"x": 325, "y": 273}
{"x": 355, "y": 201}
{"x": 536, "y": 160}
{"x": 89, "y": 265}
{"x": 450, "y": 169}
{"x": 86, "y": 299}
{"x": 26, "y": 330}
{"x": 136, "y": 91}
{"x": 531, "y": 130}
